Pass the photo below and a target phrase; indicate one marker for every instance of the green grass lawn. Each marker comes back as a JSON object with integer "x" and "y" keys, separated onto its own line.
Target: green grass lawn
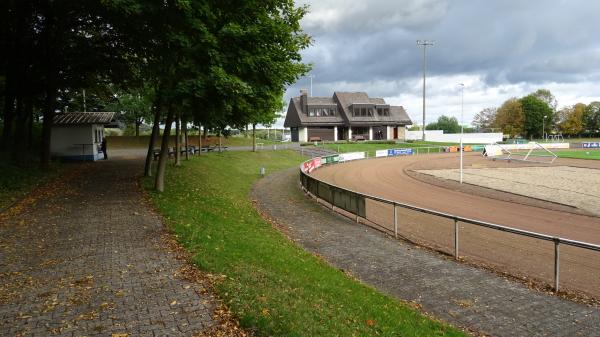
{"x": 269, "y": 283}
{"x": 593, "y": 154}
{"x": 18, "y": 180}
{"x": 422, "y": 147}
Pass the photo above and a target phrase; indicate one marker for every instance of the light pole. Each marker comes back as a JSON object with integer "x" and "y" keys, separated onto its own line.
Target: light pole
{"x": 462, "y": 108}
{"x": 544, "y": 128}
{"x": 311, "y": 78}
{"x": 424, "y": 43}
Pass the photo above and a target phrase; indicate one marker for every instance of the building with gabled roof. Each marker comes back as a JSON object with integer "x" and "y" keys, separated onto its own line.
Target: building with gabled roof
{"x": 344, "y": 116}
{"x": 78, "y": 135}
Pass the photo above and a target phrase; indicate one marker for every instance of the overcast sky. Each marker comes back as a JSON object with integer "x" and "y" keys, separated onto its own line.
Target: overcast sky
{"x": 498, "y": 49}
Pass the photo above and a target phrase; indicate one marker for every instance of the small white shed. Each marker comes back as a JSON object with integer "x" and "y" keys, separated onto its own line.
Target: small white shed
{"x": 77, "y": 136}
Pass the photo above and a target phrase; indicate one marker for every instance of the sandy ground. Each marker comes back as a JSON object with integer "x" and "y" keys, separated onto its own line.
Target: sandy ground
{"x": 574, "y": 186}
{"x": 398, "y": 179}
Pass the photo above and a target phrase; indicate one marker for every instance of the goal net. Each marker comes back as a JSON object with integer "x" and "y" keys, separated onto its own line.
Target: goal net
{"x": 530, "y": 152}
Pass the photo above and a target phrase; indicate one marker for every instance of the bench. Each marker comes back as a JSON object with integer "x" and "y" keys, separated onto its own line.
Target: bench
{"x": 358, "y": 137}
{"x": 314, "y": 139}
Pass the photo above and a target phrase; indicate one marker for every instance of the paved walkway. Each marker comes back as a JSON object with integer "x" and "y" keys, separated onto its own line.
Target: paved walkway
{"x": 88, "y": 258}
{"x": 454, "y": 292}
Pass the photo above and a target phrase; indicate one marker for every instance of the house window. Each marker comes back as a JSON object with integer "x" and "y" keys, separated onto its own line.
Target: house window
{"x": 311, "y": 112}
{"x": 331, "y": 111}
{"x": 363, "y": 112}
{"x": 386, "y": 111}
{"x": 370, "y": 112}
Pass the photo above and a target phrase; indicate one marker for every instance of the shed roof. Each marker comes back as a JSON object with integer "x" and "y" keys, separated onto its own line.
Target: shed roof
{"x": 74, "y": 118}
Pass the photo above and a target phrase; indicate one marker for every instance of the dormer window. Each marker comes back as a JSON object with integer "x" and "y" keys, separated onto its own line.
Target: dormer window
{"x": 381, "y": 111}
{"x": 322, "y": 112}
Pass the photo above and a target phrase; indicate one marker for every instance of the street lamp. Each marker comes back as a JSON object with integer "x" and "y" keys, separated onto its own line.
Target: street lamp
{"x": 424, "y": 43}
{"x": 544, "y": 128}
{"x": 462, "y": 108}
{"x": 311, "y": 76}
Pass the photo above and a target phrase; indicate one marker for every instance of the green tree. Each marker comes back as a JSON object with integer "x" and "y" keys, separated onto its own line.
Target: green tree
{"x": 591, "y": 118}
{"x": 510, "y": 118}
{"x": 133, "y": 108}
{"x": 546, "y": 96}
{"x": 448, "y": 124}
{"x": 536, "y": 112}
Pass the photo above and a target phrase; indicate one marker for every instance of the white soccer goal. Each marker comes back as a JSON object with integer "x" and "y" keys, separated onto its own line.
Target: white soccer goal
{"x": 530, "y": 152}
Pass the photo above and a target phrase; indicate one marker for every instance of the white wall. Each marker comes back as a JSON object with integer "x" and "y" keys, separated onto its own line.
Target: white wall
{"x": 66, "y": 140}
{"x": 469, "y": 138}
{"x": 303, "y": 134}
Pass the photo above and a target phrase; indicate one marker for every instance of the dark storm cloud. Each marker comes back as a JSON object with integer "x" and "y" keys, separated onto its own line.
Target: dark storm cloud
{"x": 503, "y": 41}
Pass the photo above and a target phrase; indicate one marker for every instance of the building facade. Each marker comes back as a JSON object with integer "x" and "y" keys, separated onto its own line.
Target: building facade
{"x": 344, "y": 116}
{"x": 76, "y": 136}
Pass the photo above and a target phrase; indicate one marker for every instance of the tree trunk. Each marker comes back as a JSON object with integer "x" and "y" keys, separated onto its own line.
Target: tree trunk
{"x": 159, "y": 183}
{"x": 253, "y": 137}
{"x": 178, "y": 140}
{"x": 19, "y": 136}
{"x": 220, "y": 135}
{"x": 137, "y": 127}
{"x": 199, "y": 139}
{"x": 153, "y": 136}
{"x": 185, "y": 140}
{"x": 9, "y": 113}
{"x": 30, "y": 127}
{"x": 48, "y": 113}
{"x": 50, "y": 41}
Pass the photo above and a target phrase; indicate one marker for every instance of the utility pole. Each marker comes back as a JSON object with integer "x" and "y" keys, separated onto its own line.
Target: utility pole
{"x": 424, "y": 44}
{"x": 84, "y": 107}
{"x": 462, "y": 108}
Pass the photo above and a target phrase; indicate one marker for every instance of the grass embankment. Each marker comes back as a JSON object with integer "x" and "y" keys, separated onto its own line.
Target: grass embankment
{"x": 128, "y": 142}
{"x": 269, "y": 283}
{"x": 18, "y": 180}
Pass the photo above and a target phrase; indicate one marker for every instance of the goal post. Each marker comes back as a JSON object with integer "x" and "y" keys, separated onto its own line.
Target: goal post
{"x": 531, "y": 152}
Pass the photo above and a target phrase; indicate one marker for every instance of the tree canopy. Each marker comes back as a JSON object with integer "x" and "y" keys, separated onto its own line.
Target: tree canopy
{"x": 216, "y": 63}
{"x": 448, "y": 124}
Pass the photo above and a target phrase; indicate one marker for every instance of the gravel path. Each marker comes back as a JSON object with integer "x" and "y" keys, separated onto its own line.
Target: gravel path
{"x": 85, "y": 256}
{"x": 454, "y": 292}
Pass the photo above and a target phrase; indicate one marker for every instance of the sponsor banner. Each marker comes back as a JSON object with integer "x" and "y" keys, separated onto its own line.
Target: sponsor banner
{"x": 330, "y": 159}
{"x": 399, "y": 152}
{"x": 381, "y": 153}
{"x": 312, "y": 164}
{"x": 591, "y": 145}
{"x": 352, "y": 156}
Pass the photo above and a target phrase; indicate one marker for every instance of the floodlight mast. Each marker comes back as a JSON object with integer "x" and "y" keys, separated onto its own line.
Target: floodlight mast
{"x": 424, "y": 44}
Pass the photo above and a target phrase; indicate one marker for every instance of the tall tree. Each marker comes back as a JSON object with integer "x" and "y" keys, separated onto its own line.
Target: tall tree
{"x": 510, "y": 118}
{"x": 537, "y": 113}
{"x": 573, "y": 123}
{"x": 546, "y": 96}
{"x": 591, "y": 118}
{"x": 484, "y": 119}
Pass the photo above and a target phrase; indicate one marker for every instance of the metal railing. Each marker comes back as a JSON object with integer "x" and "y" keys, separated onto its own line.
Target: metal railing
{"x": 354, "y": 203}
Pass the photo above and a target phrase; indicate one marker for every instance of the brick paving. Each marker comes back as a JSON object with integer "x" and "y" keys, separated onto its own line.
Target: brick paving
{"x": 88, "y": 258}
{"x": 456, "y": 293}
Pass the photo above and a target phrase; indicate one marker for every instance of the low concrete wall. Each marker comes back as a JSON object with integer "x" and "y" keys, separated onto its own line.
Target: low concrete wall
{"x": 469, "y": 138}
